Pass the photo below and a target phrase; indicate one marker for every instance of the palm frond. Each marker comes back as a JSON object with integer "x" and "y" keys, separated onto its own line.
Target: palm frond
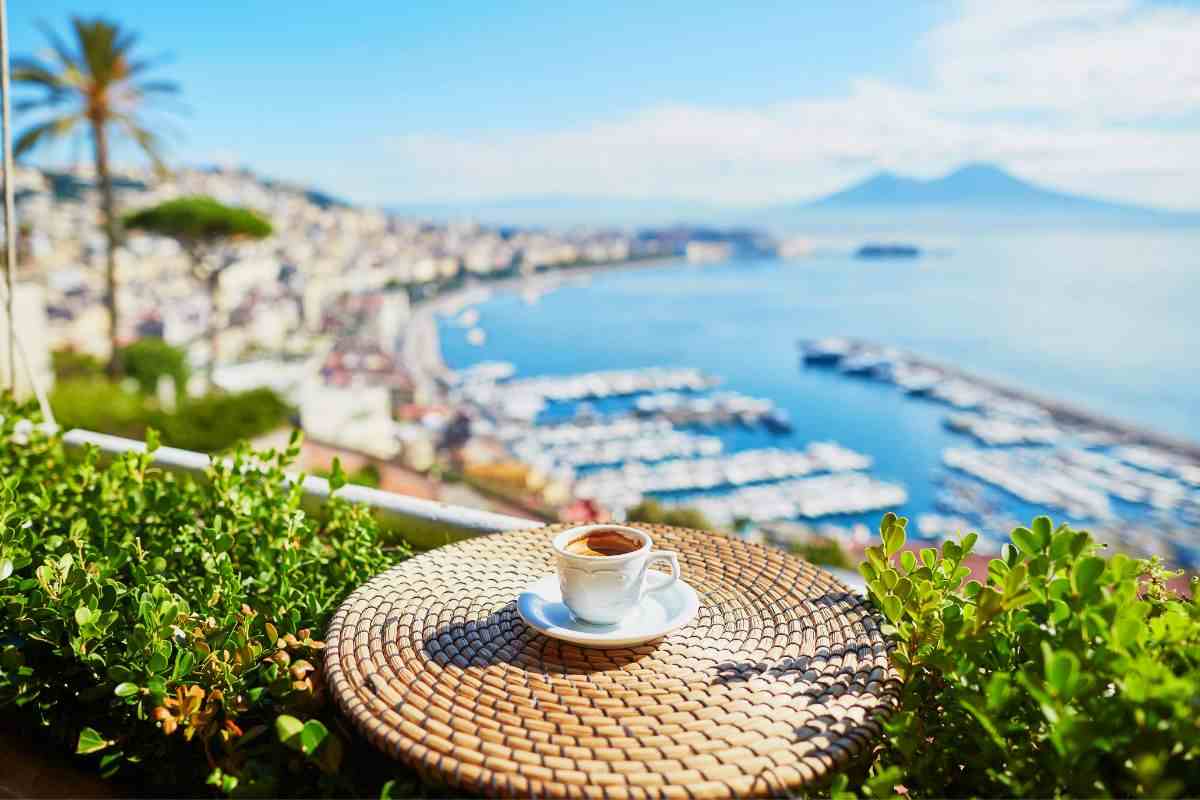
{"x": 36, "y": 73}
{"x": 65, "y": 56}
{"x": 33, "y": 104}
{"x": 44, "y": 132}
{"x": 143, "y": 64}
{"x": 148, "y": 142}
{"x": 97, "y": 43}
{"x": 124, "y": 41}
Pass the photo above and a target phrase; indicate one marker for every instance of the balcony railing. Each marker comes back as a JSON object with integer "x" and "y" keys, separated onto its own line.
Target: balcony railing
{"x": 423, "y": 523}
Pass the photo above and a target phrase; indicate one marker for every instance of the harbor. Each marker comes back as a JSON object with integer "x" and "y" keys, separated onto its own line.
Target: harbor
{"x": 1047, "y": 454}
{"x": 920, "y": 375}
{"x": 699, "y": 438}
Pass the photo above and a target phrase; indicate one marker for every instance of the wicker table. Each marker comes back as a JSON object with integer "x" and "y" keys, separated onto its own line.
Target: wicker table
{"x": 781, "y": 678}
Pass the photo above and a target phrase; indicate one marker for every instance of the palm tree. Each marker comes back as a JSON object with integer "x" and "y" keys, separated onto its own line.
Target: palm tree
{"x": 94, "y": 88}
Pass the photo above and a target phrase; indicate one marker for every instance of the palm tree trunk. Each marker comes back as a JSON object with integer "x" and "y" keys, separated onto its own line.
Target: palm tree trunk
{"x": 109, "y": 212}
{"x": 214, "y": 331}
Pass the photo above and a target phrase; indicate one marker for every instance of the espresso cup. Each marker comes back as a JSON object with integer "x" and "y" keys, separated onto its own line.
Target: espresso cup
{"x": 602, "y": 589}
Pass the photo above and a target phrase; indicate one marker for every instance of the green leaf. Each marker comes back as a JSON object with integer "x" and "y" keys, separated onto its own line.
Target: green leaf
{"x": 893, "y": 536}
{"x": 1060, "y": 544}
{"x": 1086, "y": 573}
{"x": 1026, "y": 540}
{"x": 1014, "y": 581}
{"x": 1062, "y": 672}
{"x": 1042, "y": 528}
{"x": 951, "y": 551}
{"x": 984, "y": 721}
{"x": 83, "y": 615}
{"x": 6, "y": 568}
{"x": 90, "y": 741}
{"x": 864, "y": 568}
{"x": 929, "y": 556}
{"x": 875, "y": 557}
{"x": 288, "y": 729}
{"x": 183, "y": 664}
{"x": 337, "y": 476}
{"x": 1020, "y": 599}
{"x": 157, "y": 663}
{"x": 892, "y": 607}
{"x": 311, "y": 736}
{"x": 890, "y": 578}
{"x": 908, "y": 560}
{"x": 969, "y": 541}
{"x": 837, "y": 788}
{"x": 126, "y": 689}
{"x": 1127, "y": 631}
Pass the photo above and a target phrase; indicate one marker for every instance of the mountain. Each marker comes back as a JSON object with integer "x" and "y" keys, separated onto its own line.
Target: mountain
{"x": 973, "y": 187}
{"x": 982, "y": 195}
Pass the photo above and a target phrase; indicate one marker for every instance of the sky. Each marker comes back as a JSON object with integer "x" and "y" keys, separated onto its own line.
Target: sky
{"x": 745, "y": 104}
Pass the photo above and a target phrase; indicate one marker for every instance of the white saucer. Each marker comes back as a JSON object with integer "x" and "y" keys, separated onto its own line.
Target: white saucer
{"x": 660, "y": 612}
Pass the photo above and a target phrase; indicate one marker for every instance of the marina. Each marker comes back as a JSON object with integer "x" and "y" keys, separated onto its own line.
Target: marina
{"x": 655, "y": 445}
{"x": 603, "y": 420}
{"x": 738, "y": 469}
{"x": 807, "y": 498}
{"x": 921, "y": 376}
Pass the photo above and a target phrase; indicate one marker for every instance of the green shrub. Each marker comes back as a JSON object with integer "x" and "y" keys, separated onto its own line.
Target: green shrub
{"x": 209, "y": 424}
{"x": 651, "y": 511}
{"x": 1065, "y": 674}
{"x": 217, "y": 420}
{"x": 98, "y": 404}
{"x": 366, "y": 475}
{"x": 169, "y": 630}
{"x": 149, "y": 359}
{"x": 67, "y": 363}
{"x": 825, "y": 552}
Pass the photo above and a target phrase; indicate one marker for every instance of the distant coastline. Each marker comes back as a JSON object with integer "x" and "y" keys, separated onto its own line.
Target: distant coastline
{"x": 421, "y": 353}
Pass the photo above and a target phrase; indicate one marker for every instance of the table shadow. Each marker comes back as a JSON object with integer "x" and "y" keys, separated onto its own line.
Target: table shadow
{"x": 502, "y": 637}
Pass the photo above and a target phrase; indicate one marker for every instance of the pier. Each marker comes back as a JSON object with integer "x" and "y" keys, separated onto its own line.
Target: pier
{"x": 966, "y": 390}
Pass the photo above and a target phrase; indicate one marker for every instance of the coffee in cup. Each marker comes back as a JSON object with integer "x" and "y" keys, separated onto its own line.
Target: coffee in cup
{"x": 603, "y": 542}
{"x": 603, "y": 571}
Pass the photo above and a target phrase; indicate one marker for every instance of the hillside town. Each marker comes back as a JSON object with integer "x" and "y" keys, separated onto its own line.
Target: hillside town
{"x": 334, "y": 312}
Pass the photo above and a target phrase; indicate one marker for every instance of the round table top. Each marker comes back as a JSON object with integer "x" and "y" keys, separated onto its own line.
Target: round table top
{"x": 782, "y": 677}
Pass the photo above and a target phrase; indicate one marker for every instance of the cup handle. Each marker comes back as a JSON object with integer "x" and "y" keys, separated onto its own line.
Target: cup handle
{"x": 663, "y": 581}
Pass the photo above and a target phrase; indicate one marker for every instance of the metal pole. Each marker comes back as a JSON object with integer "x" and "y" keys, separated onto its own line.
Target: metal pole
{"x": 15, "y": 347}
{"x": 10, "y": 233}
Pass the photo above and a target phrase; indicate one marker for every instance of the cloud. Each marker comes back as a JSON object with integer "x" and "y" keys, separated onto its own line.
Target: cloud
{"x": 1102, "y": 97}
{"x": 1107, "y": 61}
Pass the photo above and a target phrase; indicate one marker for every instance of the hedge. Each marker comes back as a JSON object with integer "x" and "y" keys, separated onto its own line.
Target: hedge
{"x": 169, "y": 630}
{"x": 211, "y": 423}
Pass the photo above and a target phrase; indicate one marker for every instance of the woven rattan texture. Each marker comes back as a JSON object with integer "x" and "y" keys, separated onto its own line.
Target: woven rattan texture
{"x": 781, "y": 678}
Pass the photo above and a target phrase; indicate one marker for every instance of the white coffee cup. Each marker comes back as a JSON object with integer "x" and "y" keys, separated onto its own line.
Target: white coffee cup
{"x": 603, "y": 589}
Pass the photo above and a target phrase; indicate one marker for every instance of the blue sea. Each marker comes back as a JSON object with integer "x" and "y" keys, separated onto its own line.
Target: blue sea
{"x": 1108, "y": 320}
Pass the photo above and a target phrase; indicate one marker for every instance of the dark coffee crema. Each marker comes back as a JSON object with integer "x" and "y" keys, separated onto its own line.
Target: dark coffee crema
{"x": 603, "y": 543}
